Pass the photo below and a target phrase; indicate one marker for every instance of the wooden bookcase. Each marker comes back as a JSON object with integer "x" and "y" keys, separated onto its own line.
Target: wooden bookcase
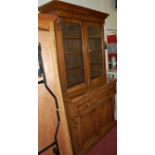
{"x": 88, "y": 96}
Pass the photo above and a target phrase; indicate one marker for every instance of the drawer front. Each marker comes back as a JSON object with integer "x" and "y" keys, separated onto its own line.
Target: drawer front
{"x": 85, "y": 103}
{"x": 84, "y": 106}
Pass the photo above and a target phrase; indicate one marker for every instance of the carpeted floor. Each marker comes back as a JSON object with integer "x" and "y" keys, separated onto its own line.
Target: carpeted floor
{"x": 107, "y": 145}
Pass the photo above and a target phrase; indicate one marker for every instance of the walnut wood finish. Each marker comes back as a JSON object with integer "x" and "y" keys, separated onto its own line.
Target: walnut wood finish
{"x": 89, "y": 105}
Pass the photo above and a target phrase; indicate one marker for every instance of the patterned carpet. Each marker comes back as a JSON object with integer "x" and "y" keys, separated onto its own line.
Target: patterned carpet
{"x": 107, "y": 145}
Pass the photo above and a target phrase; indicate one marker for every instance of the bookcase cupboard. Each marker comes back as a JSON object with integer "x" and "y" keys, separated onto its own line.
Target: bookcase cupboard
{"x": 88, "y": 96}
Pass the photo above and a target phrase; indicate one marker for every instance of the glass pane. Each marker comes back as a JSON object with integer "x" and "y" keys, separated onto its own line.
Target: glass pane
{"x": 75, "y": 76}
{"x": 95, "y": 44}
{"x": 95, "y": 51}
{"x": 96, "y": 70}
{"x": 73, "y": 52}
{"x": 94, "y": 31}
{"x": 96, "y": 57}
{"x": 73, "y": 61}
{"x": 72, "y": 45}
{"x": 71, "y": 29}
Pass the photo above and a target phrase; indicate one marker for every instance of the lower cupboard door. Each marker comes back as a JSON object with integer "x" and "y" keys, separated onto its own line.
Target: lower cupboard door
{"x": 87, "y": 127}
{"x": 106, "y": 113}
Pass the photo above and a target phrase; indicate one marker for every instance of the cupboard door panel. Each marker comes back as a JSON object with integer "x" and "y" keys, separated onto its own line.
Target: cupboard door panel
{"x": 88, "y": 128}
{"x": 110, "y": 111}
{"x": 106, "y": 113}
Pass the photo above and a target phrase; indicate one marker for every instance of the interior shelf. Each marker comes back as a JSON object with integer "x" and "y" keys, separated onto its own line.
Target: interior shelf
{"x": 73, "y": 53}
{"x": 72, "y": 37}
{"x": 73, "y": 69}
{"x": 94, "y": 37}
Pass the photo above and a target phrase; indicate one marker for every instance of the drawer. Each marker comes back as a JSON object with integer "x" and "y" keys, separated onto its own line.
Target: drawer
{"x": 104, "y": 92}
{"x": 92, "y": 103}
{"x": 85, "y": 107}
{"x": 84, "y": 103}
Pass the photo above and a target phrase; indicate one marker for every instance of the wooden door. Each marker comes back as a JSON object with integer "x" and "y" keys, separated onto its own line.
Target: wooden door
{"x": 88, "y": 128}
{"x": 47, "y": 120}
{"x": 105, "y": 113}
{"x": 84, "y": 132}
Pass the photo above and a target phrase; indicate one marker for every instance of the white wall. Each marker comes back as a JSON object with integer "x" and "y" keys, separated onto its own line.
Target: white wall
{"x": 106, "y": 6}
{"x": 41, "y": 2}
{"x": 94, "y": 4}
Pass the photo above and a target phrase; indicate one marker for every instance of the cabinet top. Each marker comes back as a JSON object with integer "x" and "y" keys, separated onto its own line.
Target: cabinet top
{"x": 63, "y": 9}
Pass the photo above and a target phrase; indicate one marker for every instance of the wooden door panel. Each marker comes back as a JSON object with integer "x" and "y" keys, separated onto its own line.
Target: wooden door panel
{"x": 110, "y": 111}
{"x": 47, "y": 119}
{"x": 105, "y": 113}
{"x": 87, "y": 127}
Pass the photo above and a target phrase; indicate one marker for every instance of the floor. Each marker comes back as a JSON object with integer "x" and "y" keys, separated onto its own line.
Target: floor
{"x": 107, "y": 145}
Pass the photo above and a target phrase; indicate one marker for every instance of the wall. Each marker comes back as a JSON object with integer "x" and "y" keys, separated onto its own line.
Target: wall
{"x": 106, "y": 6}
{"x": 86, "y": 3}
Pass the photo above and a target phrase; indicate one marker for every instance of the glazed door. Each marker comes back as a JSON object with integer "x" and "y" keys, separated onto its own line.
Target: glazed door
{"x": 96, "y": 50}
{"x": 73, "y": 52}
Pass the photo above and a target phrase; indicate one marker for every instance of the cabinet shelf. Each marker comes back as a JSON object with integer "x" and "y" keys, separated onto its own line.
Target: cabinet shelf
{"x": 94, "y": 37}
{"x": 73, "y": 69}
{"x": 72, "y": 37}
{"x": 95, "y": 50}
{"x": 73, "y": 53}
{"x": 94, "y": 64}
